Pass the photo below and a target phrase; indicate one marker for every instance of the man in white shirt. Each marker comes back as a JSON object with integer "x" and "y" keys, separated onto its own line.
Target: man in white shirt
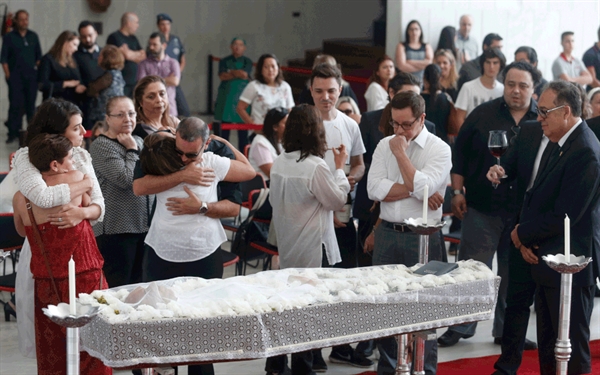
{"x": 401, "y": 167}
{"x": 566, "y": 66}
{"x": 325, "y": 88}
{"x": 484, "y": 88}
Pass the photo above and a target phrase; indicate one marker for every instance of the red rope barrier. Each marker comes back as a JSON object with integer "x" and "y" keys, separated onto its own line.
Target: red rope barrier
{"x": 308, "y": 72}
{"x": 229, "y": 126}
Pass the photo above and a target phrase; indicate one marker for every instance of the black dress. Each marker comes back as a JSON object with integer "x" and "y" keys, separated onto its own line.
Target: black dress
{"x": 51, "y": 76}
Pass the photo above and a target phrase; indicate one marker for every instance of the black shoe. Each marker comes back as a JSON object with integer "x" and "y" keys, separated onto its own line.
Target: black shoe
{"x": 450, "y": 338}
{"x": 319, "y": 364}
{"x": 11, "y": 139}
{"x": 529, "y": 345}
{"x": 350, "y": 359}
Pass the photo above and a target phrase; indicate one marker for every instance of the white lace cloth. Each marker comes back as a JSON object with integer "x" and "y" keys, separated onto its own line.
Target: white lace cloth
{"x": 29, "y": 181}
{"x": 277, "y": 312}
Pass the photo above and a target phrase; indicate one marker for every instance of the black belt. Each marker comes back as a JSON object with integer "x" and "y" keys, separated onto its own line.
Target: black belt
{"x": 403, "y": 228}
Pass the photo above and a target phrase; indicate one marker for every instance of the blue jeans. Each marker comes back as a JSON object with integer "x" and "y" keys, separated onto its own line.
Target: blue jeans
{"x": 392, "y": 247}
{"x": 483, "y": 235}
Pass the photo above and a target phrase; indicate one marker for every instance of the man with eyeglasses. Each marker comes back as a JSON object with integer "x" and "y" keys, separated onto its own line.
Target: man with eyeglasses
{"x": 403, "y": 164}
{"x": 488, "y": 213}
{"x": 558, "y": 164}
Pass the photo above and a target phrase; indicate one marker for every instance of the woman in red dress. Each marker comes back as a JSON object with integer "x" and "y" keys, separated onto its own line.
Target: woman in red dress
{"x": 52, "y": 154}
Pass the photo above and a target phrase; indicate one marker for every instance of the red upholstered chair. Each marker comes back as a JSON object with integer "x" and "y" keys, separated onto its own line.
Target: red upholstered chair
{"x": 247, "y": 187}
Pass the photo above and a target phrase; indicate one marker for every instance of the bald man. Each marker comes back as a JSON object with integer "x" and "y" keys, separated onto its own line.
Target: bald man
{"x": 125, "y": 39}
{"x": 465, "y": 43}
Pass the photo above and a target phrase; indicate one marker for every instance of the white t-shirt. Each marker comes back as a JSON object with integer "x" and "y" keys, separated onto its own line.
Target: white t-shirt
{"x": 262, "y": 152}
{"x": 572, "y": 69}
{"x": 474, "y": 93}
{"x": 262, "y": 98}
{"x": 342, "y": 130}
{"x": 187, "y": 238}
{"x": 376, "y": 96}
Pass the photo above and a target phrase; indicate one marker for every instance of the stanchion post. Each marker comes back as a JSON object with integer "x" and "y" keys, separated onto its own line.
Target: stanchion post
{"x": 216, "y": 128}
{"x": 209, "y": 94}
{"x": 72, "y": 351}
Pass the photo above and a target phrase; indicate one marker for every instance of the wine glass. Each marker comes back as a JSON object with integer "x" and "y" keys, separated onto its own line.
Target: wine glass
{"x": 498, "y": 144}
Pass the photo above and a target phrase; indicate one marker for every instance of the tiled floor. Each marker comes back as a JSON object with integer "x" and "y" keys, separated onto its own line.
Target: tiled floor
{"x": 12, "y": 363}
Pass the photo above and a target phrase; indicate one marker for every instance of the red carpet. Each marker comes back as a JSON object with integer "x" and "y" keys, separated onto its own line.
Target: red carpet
{"x": 485, "y": 365}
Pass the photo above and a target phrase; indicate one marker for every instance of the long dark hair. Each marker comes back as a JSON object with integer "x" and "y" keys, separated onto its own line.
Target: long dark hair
{"x": 273, "y": 117}
{"x": 158, "y": 157}
{"x": 56, "y": 50}
{"x": 406, "y": 38}
{"x": 447, "y": 39}
{"x": 431, "y": 75}
{"x": 259, "y": 66}
{"x": 53, "y": 117}
{"x": 374, "y": 76}
{"x": 304, "y": 132}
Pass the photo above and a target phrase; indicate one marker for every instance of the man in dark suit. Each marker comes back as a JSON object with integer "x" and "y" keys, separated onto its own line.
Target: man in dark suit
{"x": 564, "y": 179}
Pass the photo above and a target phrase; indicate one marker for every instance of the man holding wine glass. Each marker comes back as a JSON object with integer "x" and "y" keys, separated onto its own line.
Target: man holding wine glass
{"x": 488, "y": 212}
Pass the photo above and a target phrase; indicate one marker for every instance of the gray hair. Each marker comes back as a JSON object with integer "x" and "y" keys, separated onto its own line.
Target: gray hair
{"x": 192, "y": 128}
{"x": 566, "y": 94}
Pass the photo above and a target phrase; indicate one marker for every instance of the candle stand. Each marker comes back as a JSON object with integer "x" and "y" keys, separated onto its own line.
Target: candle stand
{"x": 61, "y": 315}
{"x": 424, "y": 230}
{"x": 566, "y": 267}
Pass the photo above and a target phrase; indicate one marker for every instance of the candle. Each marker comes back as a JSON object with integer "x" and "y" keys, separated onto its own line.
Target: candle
{"x": 567, "y": 238}
{"x": 73, "y": 310}
{"x": 425, "y": 201}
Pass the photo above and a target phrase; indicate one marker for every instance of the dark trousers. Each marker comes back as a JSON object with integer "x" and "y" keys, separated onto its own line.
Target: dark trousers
{"x": 128, "y": 90}
{"x": 392, "y": 247}
{"x": 519, "y": 298}
{"x": 123, "y": 254}
{"x": 183, "y": 109}
{"x": 211, "y": 267}
{"x": 22, "y": 91}
{"x": 242, "y": 138}
{"x": 346, "y": 238}
{"x": 547, "y": 305}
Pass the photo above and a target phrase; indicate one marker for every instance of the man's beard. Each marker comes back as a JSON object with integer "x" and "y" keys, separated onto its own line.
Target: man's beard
{"x": 87, "y": 46}
{"x": 153, "y": 54}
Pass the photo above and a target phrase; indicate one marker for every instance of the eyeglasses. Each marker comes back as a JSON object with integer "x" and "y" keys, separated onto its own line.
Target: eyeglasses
{"x": 121, "y": 116}
{"x": 544, "y": 112}
{"x": 516, "y": 129}
{"x": 347, "y": 112}
{"x": 188, "y": 155}
{"x": 404, "y": 126}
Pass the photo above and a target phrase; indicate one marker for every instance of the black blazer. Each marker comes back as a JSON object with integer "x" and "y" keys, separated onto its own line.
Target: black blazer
{"x": 569, "y": 185}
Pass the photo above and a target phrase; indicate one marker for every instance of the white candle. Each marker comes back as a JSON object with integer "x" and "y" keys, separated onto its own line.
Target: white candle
{"x": 567, "y": 238}
{"x": 73, "y": 310}
{"x": 425, "y": 201}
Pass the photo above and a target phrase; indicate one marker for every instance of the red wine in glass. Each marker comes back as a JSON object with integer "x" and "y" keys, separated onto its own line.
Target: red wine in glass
{"x": 498, "y": 144}
{"x": 498, "y": 151}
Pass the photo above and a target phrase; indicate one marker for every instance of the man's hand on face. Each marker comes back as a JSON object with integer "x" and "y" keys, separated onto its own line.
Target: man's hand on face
{"x": 398, "y": 144}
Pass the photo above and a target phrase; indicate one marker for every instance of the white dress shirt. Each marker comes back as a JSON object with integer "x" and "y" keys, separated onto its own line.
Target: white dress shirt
{"x": 304, "y": 195}
{"x": 543, "y": 145}
{"x": 432, "y": 159}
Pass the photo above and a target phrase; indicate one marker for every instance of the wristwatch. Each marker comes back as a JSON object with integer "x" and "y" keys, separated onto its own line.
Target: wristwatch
{"x": 457, "y": 192}
{"x": 203, "y": 208}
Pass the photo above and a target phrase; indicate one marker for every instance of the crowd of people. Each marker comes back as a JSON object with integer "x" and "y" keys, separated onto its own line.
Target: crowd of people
{"x": 146, "y": 199}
